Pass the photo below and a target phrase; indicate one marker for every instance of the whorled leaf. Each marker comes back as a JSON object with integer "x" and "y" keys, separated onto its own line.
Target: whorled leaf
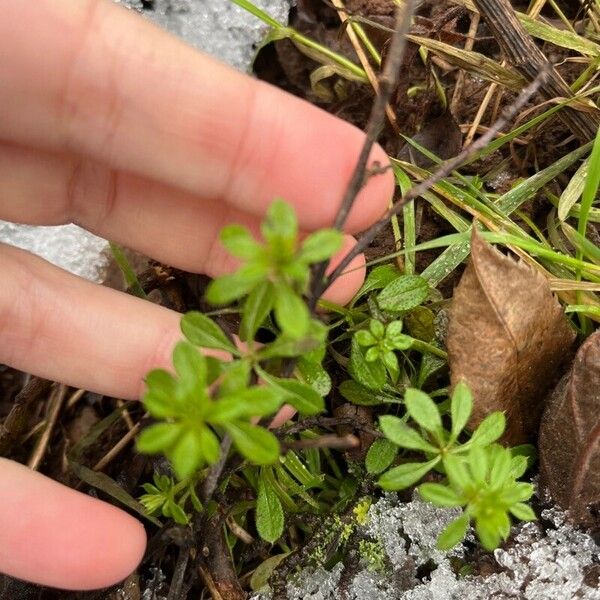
{"x": 569, "y": 442}
{"x": 507, "y": 339}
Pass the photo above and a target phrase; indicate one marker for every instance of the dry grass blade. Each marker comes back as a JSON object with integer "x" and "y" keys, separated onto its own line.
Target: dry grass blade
{"x": 473, "y": 62}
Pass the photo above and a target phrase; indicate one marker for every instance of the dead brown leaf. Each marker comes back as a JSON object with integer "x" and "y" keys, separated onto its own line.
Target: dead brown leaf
{"x": 507, "y": 338}
{"x": 569, "y": 442}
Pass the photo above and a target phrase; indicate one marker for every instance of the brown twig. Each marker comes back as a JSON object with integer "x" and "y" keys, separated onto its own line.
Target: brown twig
{"x": 324, "y": 441}
{"x": 440, "y": 173}
{"x": 17, "y": 420}
{"x": 118, "y": 447}
{"x": 55, "y": 404}
{"x": 177, "y": 581}
{"x": 387, "y": 83}
{"x": 209, "y": 485}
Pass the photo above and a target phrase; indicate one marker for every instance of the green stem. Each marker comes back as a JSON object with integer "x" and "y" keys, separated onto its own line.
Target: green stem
{"x": 295, "y": 36}
{"x": 422, "y": 346}
{"x": 133, "y": 283}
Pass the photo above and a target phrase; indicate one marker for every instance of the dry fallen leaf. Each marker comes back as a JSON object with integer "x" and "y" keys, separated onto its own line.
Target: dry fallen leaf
{"x": 569, "y": 442}
{"x": 507, "y": 338}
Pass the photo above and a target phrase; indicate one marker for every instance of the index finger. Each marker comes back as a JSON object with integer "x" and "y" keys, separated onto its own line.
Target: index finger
{"x": 88, "y": 77}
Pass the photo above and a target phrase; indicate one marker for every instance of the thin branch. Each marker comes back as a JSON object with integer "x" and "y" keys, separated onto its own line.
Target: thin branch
{"x": 387, "y": 83}
{"x": 209, "y": 485}
{"x": 440, "y": 173}
{"x": 323, "y": 441}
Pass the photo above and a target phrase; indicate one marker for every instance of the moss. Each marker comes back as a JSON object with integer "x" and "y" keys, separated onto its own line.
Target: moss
{"x": 373, "y": 555}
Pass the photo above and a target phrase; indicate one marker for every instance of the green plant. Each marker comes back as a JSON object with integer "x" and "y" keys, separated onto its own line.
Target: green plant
{"x": 169, "y": 498}
{"x": 207, "y": 398}
{"x": 481, "y": 476}
{"x": 483, "y": 482}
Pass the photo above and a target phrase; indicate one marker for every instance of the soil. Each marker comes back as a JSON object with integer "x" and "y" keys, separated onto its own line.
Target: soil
{"x": 437, "y": 128}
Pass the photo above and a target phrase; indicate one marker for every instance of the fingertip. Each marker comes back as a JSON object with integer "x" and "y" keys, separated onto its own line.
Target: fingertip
{"x": 374, "y": 198}
{"x": 344, "y": 287}
{"x": 58, "y": 537}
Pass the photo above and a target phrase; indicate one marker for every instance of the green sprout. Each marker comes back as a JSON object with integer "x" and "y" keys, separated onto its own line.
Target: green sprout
{"x": 275, "y": 274}
{"x": 379, "y": 343}
{"x": 482, "y": 476}
{"x": 161, "y": 498}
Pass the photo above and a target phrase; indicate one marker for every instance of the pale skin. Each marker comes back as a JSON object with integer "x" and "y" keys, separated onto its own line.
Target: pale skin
{"x": 110, "y": 123}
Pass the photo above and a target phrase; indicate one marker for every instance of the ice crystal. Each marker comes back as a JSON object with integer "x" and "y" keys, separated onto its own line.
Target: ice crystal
{"x": 548, "y": 560}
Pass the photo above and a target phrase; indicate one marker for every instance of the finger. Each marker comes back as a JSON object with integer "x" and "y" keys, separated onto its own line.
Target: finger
{"x": 169, "y": 225}
{"x": 111, "y": 86}
{"x": 55, "y": 536}
{"x": 60, "y": 327}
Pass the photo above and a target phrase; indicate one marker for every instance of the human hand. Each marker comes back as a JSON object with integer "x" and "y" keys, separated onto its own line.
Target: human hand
{"x": 110, "y": 123}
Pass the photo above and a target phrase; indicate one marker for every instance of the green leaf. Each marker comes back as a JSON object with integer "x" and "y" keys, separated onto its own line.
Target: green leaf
{"x": 523, "y": 512}
{"x": 478, "y": 463}
{"x": 377, "y": 328}
{"x": 488, "y": 533}
{"x": 228, "y": 288}
{"x": 280, "y": 222}
{"x": 369, "y": 374}
{"x": 291, "y": 312}
{"x": 204, "y": 332}
{"x": 262, "y": 573}
{"x": 372, "y": 354}
{"x": 234, "y": 377}
{"x": 390, "y": 360}
{"x": 109, "y": 486}
{"x": 269, "y": 513}
{"x": 397, "y": 431}
{"x": 314, "y": 375}
{"x": 365, "y": 338}
{"x": 380, "y": 456}
{"x": 257, "y": 307}
{"x": 256, "y": 444}
{"x": 518, "y": 492}
{"x": 362, "y": 396}
{"x": 440, "y": 495}
{"x": 518, "y": 466}
{"x": 423, "y": 409}
{"x": 377, "y": 279}
{"x": 210, "y": 445}
{"x": 500, "y": 466}
{"x": 252, "y": 402}
{"x": 405, "y": 475}
{"x": 172, "y": 509}
{"x": 395, "y": 337}
{"x": 457, "y": 472}
{"x": 489, "y": 430}
{"x": 190, "y": 366}
{"x": 301, "y": 396}
{"x": 454, "y": 533}
{"x": 160, "y": 397}
{"x": 158, "y": 438}
{"x": 404, "y": 293}
{"x": 186, "y": 454}
{"x": 239, "y": 242}
{"x": 460, "y": 408}
{"x": 321, "y": 245}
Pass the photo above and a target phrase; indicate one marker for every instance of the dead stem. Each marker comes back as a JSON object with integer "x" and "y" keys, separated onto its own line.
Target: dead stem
{"x": 55, "y": 404}
{"x": 118, "y": 447}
